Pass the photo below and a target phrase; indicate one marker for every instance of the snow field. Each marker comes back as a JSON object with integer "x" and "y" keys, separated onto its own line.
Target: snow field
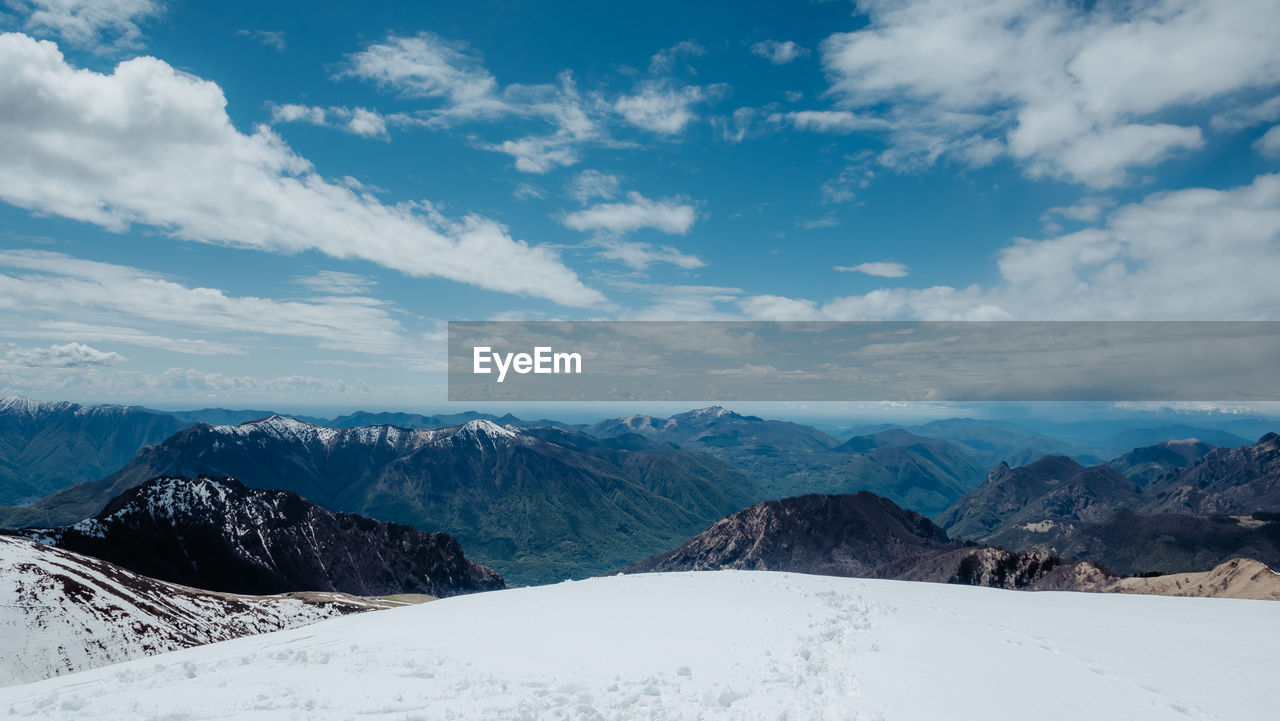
{"x": 722, "y": 645}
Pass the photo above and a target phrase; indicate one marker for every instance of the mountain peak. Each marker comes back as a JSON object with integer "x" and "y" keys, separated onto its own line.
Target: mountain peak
{"x": 485, "y": 429}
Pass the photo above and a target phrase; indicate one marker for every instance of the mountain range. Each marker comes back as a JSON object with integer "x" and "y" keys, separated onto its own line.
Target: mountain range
{"x": 537, "y": 505}
{"x": 865, "y": 536}
{"x": 786, "y": 459}
{"x": 1186, "y": 507}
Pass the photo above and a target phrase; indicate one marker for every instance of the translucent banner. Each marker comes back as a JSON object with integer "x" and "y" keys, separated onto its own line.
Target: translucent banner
{"x": 864, "y": 361}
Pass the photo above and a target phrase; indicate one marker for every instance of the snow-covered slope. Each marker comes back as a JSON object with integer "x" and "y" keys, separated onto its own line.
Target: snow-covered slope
{"x": 62, "y": 612}
{"x": 717, "y": 645}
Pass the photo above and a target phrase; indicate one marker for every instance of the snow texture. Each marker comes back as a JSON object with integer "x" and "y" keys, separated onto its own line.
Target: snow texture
{"x": 716, "y": 645}
{"x": 62, "y": 612}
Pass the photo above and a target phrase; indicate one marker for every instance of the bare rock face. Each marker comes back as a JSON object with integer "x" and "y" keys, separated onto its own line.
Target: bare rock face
{"x": 842, "y": 535}
{"x": 64, "y": 612}
{"x": 218, "y": 534}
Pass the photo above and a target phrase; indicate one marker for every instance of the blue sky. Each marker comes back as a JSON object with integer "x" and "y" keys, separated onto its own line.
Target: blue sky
{"x": 241, "y": 203}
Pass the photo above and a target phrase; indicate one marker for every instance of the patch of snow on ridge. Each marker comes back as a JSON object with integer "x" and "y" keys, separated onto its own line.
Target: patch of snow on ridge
{"x": 717, "y": 645}
{"x": 482, "y": 428}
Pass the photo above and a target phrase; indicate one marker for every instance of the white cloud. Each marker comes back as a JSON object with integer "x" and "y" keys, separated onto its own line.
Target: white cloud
{"x": 1072, "y": 92}
{"x": 1269, "y": 143}
{"x": 450, "y": 73}
{"x": 70, "y": 288}
{"x": 358, "y": 121}
{"x": 830, "y": 121}
{"x": 335, "y": 282}
{"x": 429, "y": 66}
{"x": 662, "y": 107}
{"x": 663, "y": 61}
{"x": 880, "y": 269}
{"x": 1088, "y": 210}
{"x": 68, "y": 355}
{"x": 150, "y": 145}
{"x": 641, "y": 255}
{"x": 856, "y": 175}
{"x": 668, "y": 215}
{"x": 590, "y": 184}
{"x": 779, "y": 53}
{"x": 101, "y": 333}
{"x": 1146, "y": 261}
{"x": 89, "y": 23}
{"x": 830, "y": 220}
{"x": 736, "y": 128}
{"x": 528, "y": 191}
{"x": 270, "y": 38}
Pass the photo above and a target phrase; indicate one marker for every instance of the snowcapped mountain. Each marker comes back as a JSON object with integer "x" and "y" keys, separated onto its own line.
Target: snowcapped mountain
{"x": 714, "y": 427}
{"x": 62, "y": 612}
{"x": 45, "y": 446}
{"x": 538, "y": 505}
{"x": 717, "y": 645}
{"x": 217, "y": 534}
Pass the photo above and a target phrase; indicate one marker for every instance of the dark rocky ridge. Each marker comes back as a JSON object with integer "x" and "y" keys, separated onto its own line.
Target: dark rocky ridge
{"x": 218, "y": 534}
{"x": 862, "y": 536}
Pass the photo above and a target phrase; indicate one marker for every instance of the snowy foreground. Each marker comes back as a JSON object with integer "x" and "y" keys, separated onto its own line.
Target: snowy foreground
{"x": 748, "y": 645}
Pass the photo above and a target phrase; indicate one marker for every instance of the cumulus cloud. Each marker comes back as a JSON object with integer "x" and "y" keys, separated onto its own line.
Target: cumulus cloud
{"x": 1145, "y": 261}
{"x": 150, "y": 145}
{"x": 880, "y": 269}
{"x": 662, "y": 107}
{"x": 779, "y": 53}
{"x": 1072, "y": 92}
{"x": 68, "y": 355}
{"x": 95, "y": 24}
{"x": 668, "y": 215}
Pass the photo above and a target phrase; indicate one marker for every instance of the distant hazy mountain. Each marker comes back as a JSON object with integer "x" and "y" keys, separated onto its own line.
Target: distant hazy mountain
{"x": 1225, "y": 480}
{"x": 994, "y": 442}
{"x": 1143, "y": 465}
{"x": 217, "y": 534}
{"x": 64, "y": 612}
{"x": 1054, "y": 487}
{"x": 1140, "y": 437}
{"x": 48, "y": 446}
{"x": 537, "y": 505}
{"x": 716, "y": 427}
{"x": 787, "y": 459}
{"x": 227, "y": 417}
